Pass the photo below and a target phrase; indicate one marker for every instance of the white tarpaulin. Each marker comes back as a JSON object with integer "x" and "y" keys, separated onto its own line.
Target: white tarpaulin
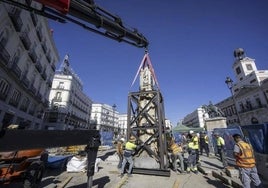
{"x": 77, "y": 164}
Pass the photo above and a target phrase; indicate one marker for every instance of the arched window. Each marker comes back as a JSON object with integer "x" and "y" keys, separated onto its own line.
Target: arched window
{"x": 254, "y": 120}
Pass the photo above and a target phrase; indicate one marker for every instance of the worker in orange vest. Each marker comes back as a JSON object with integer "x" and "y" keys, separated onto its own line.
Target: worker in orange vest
{"x": 246, "y": 163}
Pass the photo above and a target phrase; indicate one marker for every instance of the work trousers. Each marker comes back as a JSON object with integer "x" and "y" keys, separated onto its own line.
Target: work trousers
{"x": 175, "y": 164}
{"x": 130, "y": 161}
{"x": 191, "y": 162}
{"x": 249, "y": 174}
{"x": 204, "y": 146}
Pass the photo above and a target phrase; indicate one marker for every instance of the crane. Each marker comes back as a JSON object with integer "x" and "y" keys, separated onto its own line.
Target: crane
{"x": 87, "y": 14}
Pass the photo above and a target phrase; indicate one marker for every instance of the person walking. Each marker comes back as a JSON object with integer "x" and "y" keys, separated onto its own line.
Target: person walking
{"x": 191, "y": 161}
{"x": 127, "y": 156}
{"x": 246, "y": 162}
{"x": 176, "y": 150}
{"x": 221, "y": 148}
{"x": 203, "y": 140}
{"x": 119, "y": 151}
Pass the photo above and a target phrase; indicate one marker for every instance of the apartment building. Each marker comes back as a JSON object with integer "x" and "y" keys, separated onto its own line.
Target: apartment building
{"x": 28, "y": 59}
{"x": 70, "y": 107}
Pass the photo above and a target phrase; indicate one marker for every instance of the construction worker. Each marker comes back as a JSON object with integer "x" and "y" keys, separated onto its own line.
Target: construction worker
{"x": 119, "y": 150}
{"x": 245, "y": 162}
{"x": 195, "y": 140}
{"x": 203, "y": 140}
{"x": 129, "y": 151}
{"x": 221, "y": 148}
{"x": 176, "y": 150}
{"x": 191, "y": 162}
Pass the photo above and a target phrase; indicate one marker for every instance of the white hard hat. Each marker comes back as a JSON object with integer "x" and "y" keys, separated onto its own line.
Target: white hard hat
{"x": 191, "y": 132}
{"x": 122, "y": 139}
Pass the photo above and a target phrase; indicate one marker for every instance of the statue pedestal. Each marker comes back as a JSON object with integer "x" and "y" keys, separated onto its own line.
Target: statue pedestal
{"x": 217, "y": 122}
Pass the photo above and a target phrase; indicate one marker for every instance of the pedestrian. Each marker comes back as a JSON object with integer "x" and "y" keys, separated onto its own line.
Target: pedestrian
{"x": 246, "y": 162}
{"x": 191, "y": 161}
{"x": 127, "y": 156}
{"x": 119, "y": 150}
{"x": 203, "y": 140}
{"x": 221, "y": 148}
{"x": 176, "y": 150}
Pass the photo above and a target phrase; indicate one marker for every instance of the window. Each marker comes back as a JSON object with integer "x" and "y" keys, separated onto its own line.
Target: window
{"x": 4, "y": 88}
{"x": 58, "y": 95}
{"x": 258, "y": 101}
{"x": 15, "y": 98}
{"x": 238, "y": 70}
{"x": 249, "y": 66}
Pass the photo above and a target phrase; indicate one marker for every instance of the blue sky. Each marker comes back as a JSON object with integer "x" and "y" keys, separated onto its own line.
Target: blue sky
{"x": 191, "y": 49}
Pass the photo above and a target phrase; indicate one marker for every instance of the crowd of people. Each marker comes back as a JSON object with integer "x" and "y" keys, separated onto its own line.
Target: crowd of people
{"x": 184, "y": 155}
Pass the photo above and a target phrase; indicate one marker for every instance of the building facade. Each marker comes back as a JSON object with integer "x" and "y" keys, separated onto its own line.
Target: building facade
{"x": 70, "y": 107}
{"x": 28, "y": 58}
{"x": 248, "y": 103}
{"x": 106, "y": 117}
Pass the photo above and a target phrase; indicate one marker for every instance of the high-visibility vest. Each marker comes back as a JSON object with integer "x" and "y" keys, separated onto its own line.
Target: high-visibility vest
{"x": 175, "y": 148}
{"x": 246, "y": 159}
{"x": 220, "y": 141}
{"x": 130, "y": 146}
{"x": 206, "y": 139}
{"x": 195, "y": 143}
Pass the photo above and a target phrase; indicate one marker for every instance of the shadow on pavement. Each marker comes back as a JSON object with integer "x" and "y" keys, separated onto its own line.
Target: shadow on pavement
{"x": 216, "y": 183}
{"x": 213, "y": 164}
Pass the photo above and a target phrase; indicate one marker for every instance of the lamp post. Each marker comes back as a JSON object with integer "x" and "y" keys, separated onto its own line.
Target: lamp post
{"x": 229, "y": 83}
{"x": 114, "y": 106}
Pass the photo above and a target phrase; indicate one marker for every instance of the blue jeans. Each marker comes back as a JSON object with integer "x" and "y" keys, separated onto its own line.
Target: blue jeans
{"x": 130, "y": 161}
{"x": 249, "y": 174}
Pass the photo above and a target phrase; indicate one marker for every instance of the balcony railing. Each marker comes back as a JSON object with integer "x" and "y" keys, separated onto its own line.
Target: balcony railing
{"x": 3, "y": 96}
{"x": 39, "y": 34}
{"x": 34, "y": 19}
{"x": 53, "y": 67}
{"x": 38, "y": 66}
{"x": 4, "y": 55}
{"x": 33, "y": 56}
{"x": 25, "y": 82}
{"x": 16, "y": 70}
{"x": 16, "y": 19}
{"x": 14, "y": 103}
{"x": 25, "y": 40}
{"x": 32, "y": 89}
{"x": 44, "y": 75}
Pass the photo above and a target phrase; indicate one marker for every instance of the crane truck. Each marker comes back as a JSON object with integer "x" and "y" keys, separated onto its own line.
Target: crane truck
{"x": 23, "y": 165}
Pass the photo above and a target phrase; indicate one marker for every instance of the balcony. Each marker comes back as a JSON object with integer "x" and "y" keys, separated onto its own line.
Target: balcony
{"x": 34, "y": 19}
{"x": 33, "y": 56}
{"x": 39, "y": 96}
{"x": 16, "y": 20}
{"x": 39, "y": 34}
{"x": 3, "y": 96}
{"x": 53, "y": 67}
{"x": 44, "y": 46}
{"x": 13, "y": 102}
{"x": 44, "y": 75}
{"x": 16, "y": 70}
{"x": 25, "y": 40}
{"x": 59, "y": 99}
{"x": 38, "y": 66}
{"x": 49, "y": 83}
{"x": 4, "y": 55}
{"x": 32, "y": 89}
{"x": 25, "y": 82}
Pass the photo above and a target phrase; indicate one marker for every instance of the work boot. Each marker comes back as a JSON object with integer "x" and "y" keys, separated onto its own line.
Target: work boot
{"x": 195, "y": 171}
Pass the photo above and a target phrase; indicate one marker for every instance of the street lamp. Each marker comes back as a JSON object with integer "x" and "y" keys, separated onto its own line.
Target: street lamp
{"x": 229, "y": 83}
{"x": 114, "y": 106}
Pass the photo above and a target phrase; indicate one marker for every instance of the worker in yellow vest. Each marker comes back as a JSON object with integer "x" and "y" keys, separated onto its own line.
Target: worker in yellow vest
{"x": 221, "y": 148}
{"x": 191, "y": 161}
{"x": 246, "y": 163}
{"x": 176, "y": 151}
{"x": 193, "y": 136}
{"x": 203, "y": 140}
